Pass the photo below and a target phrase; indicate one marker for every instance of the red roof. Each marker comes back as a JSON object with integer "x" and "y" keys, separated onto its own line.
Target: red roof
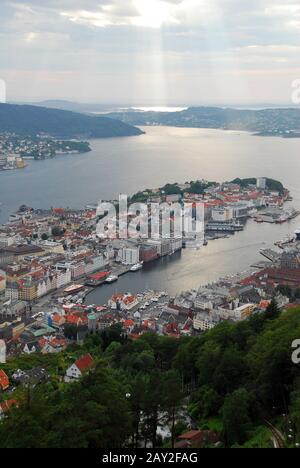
{"x": 84, "y": 363}
{"x": 75, "y": 319}
{"x": 128, "y": 323}
{"x": 4, "y": 380}
{"x": 7, "y": 405}
{"x": 58, "y": 210}
{"x": 58, "y": 318}
{"x": 190, "y": 435}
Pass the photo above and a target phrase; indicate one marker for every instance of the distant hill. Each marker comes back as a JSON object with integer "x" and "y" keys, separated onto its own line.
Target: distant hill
{"x": 33, "y": 120}
{"x": 266, "y": 121}
{"x": 84, "y": 108}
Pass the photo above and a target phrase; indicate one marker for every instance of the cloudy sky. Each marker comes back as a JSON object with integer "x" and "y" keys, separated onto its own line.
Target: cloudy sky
{"x": 150, "y": 52}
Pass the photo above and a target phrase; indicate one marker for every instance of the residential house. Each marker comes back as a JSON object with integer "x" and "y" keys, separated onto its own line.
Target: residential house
{"x": 4, "y": 381}
{"x": 123, "y": 302}
{"x": 79, "y": 368}
{"x": 197, "y": 439}
{"x": 6, "y": 406}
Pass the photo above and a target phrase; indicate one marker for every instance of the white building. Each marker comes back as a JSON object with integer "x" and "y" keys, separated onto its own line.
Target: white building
{"x": 123, "y": 301}
{"x": 79, "y": 368}
{"x": 261, "y": 183}
{"x": 205, "y": 321}
{"x": 77, "y": 269}
{"x": 95, "y": 264}
{"x": 52, "y": 247}
{"x": 129, "y": 255}
{"x": 243, "y": 312}
{"x": 7, "y": 241}
{"x": 12, "y": 292}
{"x": 222, "y": 214}
{"x": 239, "y": 210}
{"x": 63, "y": 278}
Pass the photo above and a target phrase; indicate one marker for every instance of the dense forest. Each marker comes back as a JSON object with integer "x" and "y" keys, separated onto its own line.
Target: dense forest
{"x": 32, "y": 120}
{"x": 235, "y": 379}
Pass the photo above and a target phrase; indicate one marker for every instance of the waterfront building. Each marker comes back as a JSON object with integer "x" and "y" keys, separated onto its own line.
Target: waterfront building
{"x": 129, "y": 255}
{"x": 123, "y": 301}
{"x": 148, "y": 253}
{"x": 163, "y": 246}
{"x": 239, "y": 210}
{"x": 94, "y": 264}
{"x": 222, "y": 214}
{"x": 77, "y": 269}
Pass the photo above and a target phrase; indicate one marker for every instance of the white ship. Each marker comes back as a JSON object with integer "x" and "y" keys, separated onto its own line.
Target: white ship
{"x": 137, "y": 267}
{"x": 111, "y": 279}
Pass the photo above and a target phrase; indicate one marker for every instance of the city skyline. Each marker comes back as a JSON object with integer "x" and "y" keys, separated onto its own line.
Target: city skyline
{"x": 189, "y": 52}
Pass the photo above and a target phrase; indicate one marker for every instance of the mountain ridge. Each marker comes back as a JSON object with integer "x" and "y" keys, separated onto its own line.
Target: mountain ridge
{"x": 270, "y": 121}
{"x": 34, "y": 120}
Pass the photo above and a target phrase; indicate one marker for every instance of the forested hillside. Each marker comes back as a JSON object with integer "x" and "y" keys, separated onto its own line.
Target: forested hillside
{"x": 234, "y": 379}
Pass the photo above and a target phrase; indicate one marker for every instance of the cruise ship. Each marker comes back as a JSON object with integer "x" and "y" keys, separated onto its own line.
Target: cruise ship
{"x": 224, "y": 227}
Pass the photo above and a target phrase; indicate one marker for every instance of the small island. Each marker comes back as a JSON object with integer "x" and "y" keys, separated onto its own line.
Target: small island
{"x": 177, "y": 191}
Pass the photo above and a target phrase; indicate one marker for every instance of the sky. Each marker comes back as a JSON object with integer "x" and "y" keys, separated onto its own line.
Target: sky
{"x": 150, "y": 52}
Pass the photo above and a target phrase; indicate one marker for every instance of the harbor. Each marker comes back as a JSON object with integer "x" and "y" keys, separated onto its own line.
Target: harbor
{"x": 276, "y": 215}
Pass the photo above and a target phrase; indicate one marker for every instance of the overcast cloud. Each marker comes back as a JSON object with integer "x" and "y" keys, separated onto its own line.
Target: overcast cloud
{"x": 150, "y": 52}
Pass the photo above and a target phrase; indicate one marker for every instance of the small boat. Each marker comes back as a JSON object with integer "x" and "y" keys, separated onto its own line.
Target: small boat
{"x": 111, "y": 279}
{"x": 137, "y": 267}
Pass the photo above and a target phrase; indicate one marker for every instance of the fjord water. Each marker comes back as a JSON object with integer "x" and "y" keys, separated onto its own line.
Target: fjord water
{"x": 163, "y": 155}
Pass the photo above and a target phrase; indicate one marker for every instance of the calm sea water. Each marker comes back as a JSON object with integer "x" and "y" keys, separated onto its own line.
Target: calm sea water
{"x": 163, "y": 155}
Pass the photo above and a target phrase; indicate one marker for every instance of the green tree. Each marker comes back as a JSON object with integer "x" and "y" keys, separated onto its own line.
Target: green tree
{"x": 91, "y": 413}
{"x": 236, "y": 417}
{"x": 285, "y": 290}
{"x": 204, "y": 404}
{"x": 273, "y": 311}
{"x": 172, "y": 396}
{"x": 57, "y": 231}
{"x": 297, "y": 293}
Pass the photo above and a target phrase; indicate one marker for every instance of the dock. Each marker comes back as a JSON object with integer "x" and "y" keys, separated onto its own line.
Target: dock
{"x": 270, "y": 255}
